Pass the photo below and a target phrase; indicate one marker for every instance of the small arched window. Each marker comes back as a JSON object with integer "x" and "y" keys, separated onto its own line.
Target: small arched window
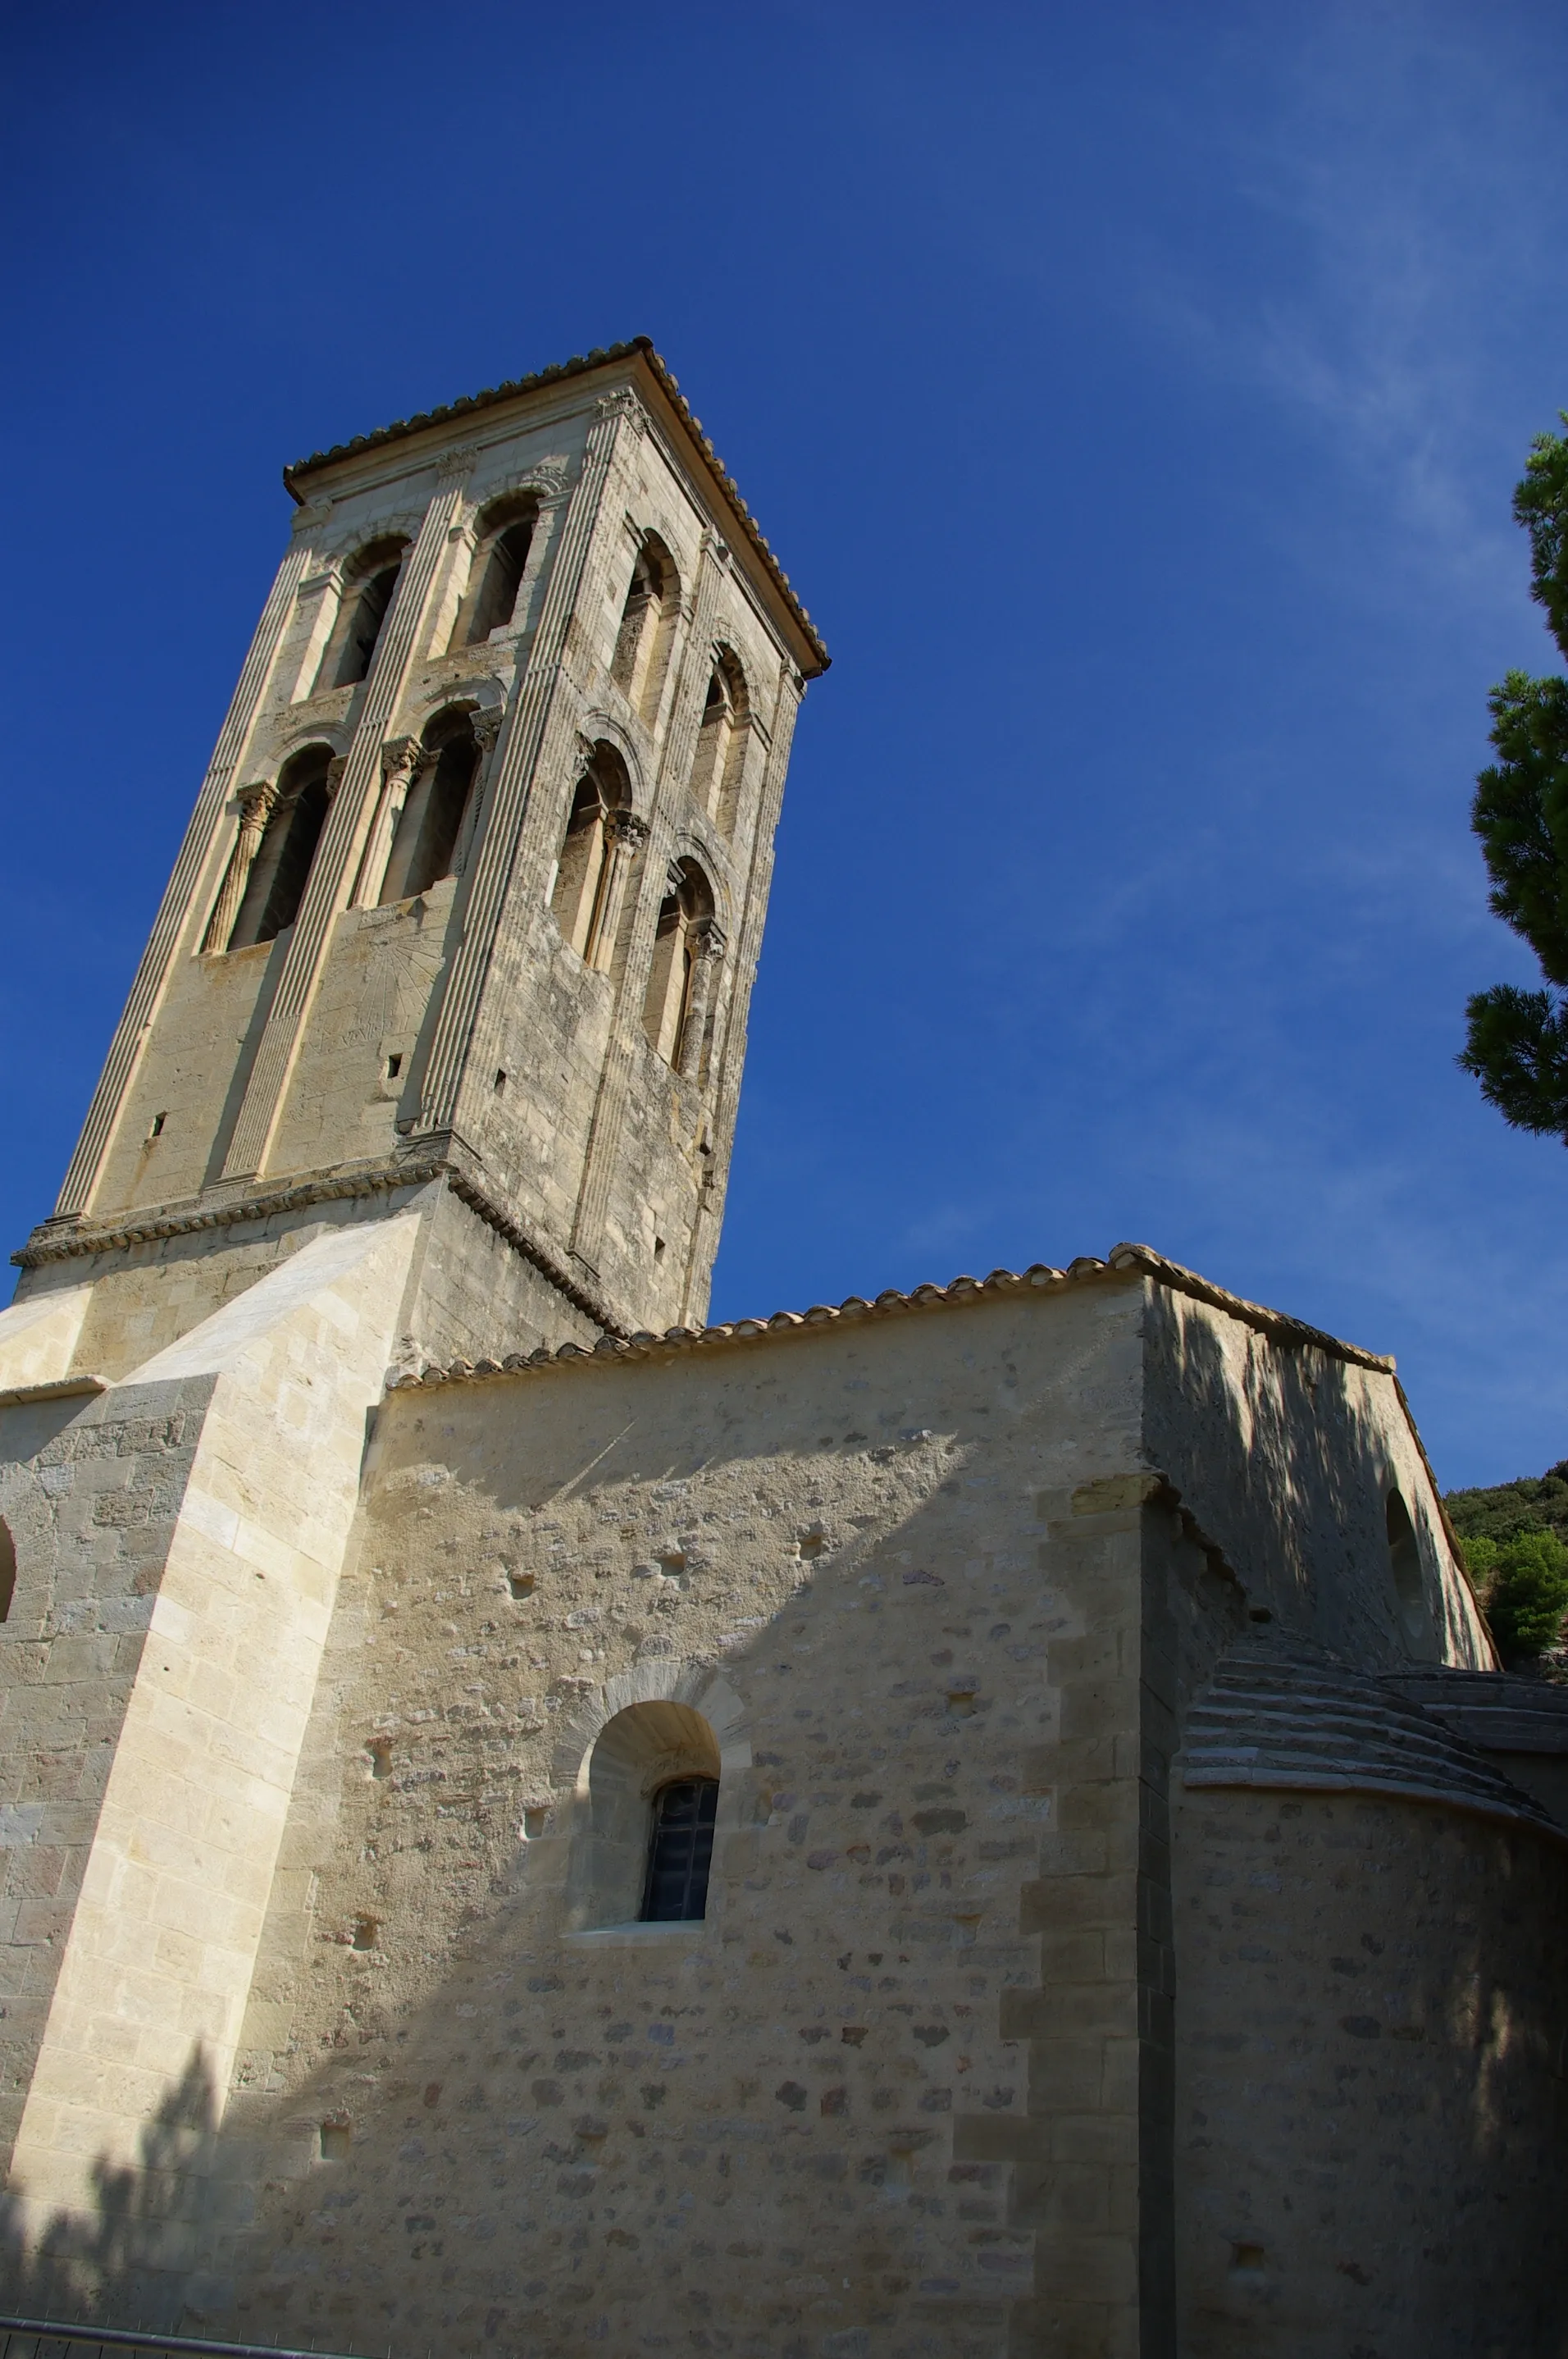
{"x": 1410, "y": 1586}
{"x": 506, "y": 535}
{"x": 367, "y": 594}
{"x": 644, "y": 1840}
{"x": 647, "y": 628}
{"x": 680, "y": 1852}
{"x": 432, "y": 825}
{"x": 580, "y": 895}
{"x": 7, "y": 1571}
{"x": 721, "y": 742}
{"x": 276, "y": 885}
{"x": 672, "y": 1015}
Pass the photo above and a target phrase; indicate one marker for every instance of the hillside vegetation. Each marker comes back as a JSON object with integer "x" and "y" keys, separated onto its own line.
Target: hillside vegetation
{"x": 1515, "y": 1538}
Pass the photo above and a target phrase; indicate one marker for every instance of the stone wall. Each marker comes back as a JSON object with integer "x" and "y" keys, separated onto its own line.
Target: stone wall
{"x": 1370, "y": 2118}
{"x": 179, "y": 1545}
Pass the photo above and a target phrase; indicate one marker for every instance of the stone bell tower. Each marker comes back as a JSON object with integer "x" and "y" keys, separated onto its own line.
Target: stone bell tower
{"x": 434, "y": 1052}
{"x": 469, "y": 905}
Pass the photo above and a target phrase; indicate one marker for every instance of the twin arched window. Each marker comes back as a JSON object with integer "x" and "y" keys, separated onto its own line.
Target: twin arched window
{"x": 674, "y": 1006}
{"x": 505, "y": 537}
{"x": 430, "y": 830}
{"x": 647, "y": 628}
{"x": 721, "y": 743}
{"x": 367, "y": 594}
{"x": 279, "y": 829}
{"x": 588, "y": 872}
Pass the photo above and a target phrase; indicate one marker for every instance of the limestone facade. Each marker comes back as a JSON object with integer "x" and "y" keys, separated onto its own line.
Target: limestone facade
{"x": 469, "y": 896}
{"x": 1136, "y": 1890}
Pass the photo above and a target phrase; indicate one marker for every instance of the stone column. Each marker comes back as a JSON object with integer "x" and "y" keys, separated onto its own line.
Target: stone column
{"x": 625, "y": 832}
{"x": 486, "y": 728}
{"x": 256, "y": 804}
{"x": 402, "y": 760}
{"x": 707, "y": 949}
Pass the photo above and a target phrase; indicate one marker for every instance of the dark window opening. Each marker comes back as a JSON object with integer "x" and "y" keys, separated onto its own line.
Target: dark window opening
{"x": 393, "y": 1067}
{"x": 364, "y": 630}
{"x": 502, "y": 578}
{"x": 500, "y": 1076}
{"x": 425, "y": 848}
{"x": 1410, "y": 1588}
{"x": 158, "y": 1122}
{"x": 276, "y": 885}
{"x": 681, "y": 1852}
{"x": 7, "y": 1571}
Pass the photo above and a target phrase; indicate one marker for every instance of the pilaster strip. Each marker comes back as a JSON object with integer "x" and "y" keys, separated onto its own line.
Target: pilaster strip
{"x": 729, "y": 1024}
{"x": 157, "y": 960}
{"x": 346, "y": 820}
{"x": 514, "y": 773}
{"x": 680, "y": 744}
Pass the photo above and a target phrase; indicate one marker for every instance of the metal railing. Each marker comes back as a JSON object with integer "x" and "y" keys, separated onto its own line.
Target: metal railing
{"x": 44, "y": 2338}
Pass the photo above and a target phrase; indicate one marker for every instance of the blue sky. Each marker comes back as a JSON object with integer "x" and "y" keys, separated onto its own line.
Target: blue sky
{"x": 1134, "y": 394}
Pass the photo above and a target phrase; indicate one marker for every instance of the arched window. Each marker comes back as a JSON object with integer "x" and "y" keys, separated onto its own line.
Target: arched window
{"x": 506, "y": 534}
{"x": 582, "y": 894}
{"x": 680, "y": 1851}
{"x": 367, "y": 594}
{"x": 430, "y": 826}
{"x": 7, "y": 1571}
{"x": 1410, "y": 1587}
{"x": 276, "y": 884}
{"x": 647, "y": 628}
{"x": 675, "y": 1011}
{"x": 645, "y": 1839}
{"x": 721, "y": 742}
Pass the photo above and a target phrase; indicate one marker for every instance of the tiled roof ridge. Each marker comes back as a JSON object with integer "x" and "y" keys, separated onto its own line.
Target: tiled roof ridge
{"x": 1121, "y": 1260}
{"x": 1282, "y": 1713}
{"x": 581, "y": 365}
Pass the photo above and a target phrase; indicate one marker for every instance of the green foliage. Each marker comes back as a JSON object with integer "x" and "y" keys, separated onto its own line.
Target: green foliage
{"x": 1516, "y": 1041}
{"x": 1532, "y": 1503}
{"x": 1524, "y": 1589}
{"x": 1541, "y": 504}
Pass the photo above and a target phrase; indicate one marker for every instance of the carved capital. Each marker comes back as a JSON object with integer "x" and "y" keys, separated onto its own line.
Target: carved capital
{"x": 255, "y": 803}
{"x": 709, "y": 939}
{"x": 335, "y": 769}
{"x": 400, "y": 758}
{"x": 622, "y": 403}
{"x": 486, "y": 726}
{"x": 627, "y": 827}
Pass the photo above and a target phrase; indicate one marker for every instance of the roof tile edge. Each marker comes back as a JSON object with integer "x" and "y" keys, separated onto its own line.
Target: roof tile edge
{"x": 582, "y": 365}
{"x": 1122, "y": 1261}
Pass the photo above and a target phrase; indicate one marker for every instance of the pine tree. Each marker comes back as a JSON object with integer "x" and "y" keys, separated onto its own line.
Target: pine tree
{"x": 1517, "y": 1044}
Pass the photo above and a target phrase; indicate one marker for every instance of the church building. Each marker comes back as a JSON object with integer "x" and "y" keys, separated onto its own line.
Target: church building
{"x": 980, "y": 1823}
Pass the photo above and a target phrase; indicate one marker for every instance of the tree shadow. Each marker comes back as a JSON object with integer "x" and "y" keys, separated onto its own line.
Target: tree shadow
{"x": 123, "y": 2261}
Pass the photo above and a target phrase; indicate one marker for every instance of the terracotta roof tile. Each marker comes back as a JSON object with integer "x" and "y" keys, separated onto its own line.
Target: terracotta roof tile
{"x": 1122, "y": 1261}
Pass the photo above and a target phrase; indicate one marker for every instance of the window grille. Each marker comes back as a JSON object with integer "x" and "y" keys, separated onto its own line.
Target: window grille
{"x": 681, "y": 1851}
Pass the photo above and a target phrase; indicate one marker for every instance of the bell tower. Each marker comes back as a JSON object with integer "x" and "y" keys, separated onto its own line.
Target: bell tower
{"x": 468, "y": 911}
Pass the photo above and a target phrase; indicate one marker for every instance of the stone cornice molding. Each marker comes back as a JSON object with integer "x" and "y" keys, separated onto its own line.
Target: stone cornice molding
{"x": 381, "y": 1178}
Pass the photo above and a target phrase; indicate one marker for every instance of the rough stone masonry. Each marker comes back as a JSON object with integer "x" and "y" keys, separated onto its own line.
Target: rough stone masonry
{"x": 1136, "y": 1895}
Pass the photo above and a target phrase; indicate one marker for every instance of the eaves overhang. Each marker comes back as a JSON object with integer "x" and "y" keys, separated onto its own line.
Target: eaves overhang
{"x": 639, "y": 351}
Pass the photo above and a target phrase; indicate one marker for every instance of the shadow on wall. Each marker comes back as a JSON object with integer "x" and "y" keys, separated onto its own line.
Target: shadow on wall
{"x": 1280, "y": 1453}
{"x": 113, "y": 2264}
